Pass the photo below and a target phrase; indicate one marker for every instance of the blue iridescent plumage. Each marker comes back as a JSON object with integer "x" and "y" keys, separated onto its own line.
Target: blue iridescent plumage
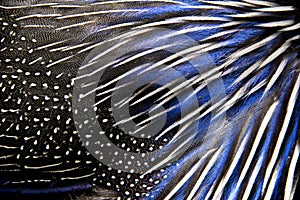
{"x": 240, "y": 58}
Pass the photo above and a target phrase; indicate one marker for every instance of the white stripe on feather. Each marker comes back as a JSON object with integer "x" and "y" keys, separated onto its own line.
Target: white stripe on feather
{"x": 201, "y": 18}
{"x": 50, "y": 45}
{"x": 276, "y": 9}
{"x": 76, "y": 46}
{"x": 228, "y": 3}
{"x": 68, "y": 6}
{"x": 266, "y": 61}
{"x": 220, "y": 34}
{"x": 27, "y": 6}
{"x": 77, "y": 177}
{"x": 276, "y": 24}
{"x": 129, "y": 1}
{"x": 59, "y": 61}
{"x": 220, "y": 189}
{"x": 290, "y": 183}
{"x": 192, "y": 171}
{"x": 42, "y": 167}
{"x": 291, "y": 28}
{"x": 204, "y": 174}
{"x": 261, "y": 3}
{"x": 38, "y": 26}
{"x": 290, "y": 109}
{"x": 241, "y": 52}
{"x": 252, "y": 179}
{"x": 256, "y": 142}
{"x": 99, "y": 13}
{"x": 272, "y": 184}
{"x": 246, "y": 15}
{"x": 38, "y": 16}
{"x": 275, "y": 75}
{"x": 8, "y": 147}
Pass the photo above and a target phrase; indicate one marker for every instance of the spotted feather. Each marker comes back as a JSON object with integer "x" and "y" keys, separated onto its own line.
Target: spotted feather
{"x": 246, "y": 144}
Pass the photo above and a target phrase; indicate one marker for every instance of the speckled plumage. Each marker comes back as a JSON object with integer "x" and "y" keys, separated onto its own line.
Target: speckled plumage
{"x": 255, "y": 45}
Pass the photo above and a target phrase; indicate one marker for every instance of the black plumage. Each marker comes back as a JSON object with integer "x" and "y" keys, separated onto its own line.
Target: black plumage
{"x": 255, "y": 48}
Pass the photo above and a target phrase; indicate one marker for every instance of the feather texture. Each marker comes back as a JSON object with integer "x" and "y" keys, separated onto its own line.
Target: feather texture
{"x": 246, "y": 141}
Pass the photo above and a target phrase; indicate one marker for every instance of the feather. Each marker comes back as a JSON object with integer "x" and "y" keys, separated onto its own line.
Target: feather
{"x": 157, "y": 99}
